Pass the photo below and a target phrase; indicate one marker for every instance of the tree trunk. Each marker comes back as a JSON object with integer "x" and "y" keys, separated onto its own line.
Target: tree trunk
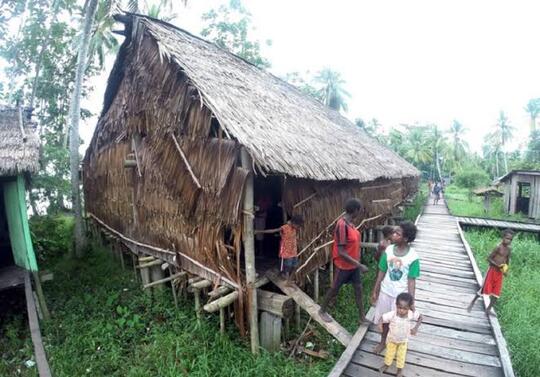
{"x": 75, "y": 115}
{"x": 497, "y": 164}
{"x": 533, "y": 124}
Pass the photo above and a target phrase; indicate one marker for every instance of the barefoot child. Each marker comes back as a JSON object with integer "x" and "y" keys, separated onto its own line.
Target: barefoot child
{"x": 346, "y": 259}
{"x": 399, "y": 268}
{"x": 498, "y": 260}
{"x": 400, "y": 326}
{"x": 288, "y": 250}
{"x": 387, "y": 232}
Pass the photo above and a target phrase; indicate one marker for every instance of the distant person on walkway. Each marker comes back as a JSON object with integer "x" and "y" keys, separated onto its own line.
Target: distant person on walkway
{"x": 437, "y": 193}
{"x": 387, "y": 233}
{"x": 399, "y": 268}
{"x": 346, "y": 258}
{"x": 400, "y": 324}
{"x": 288, "y": 249}
{"x": 499, "y": 261}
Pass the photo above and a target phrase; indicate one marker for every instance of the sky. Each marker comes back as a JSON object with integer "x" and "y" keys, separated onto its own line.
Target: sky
{"x": 403, "y": 61}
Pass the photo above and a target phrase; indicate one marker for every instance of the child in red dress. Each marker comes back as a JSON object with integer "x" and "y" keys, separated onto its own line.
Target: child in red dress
{"x": 288, "y": 249}
{"x": 498, "y": 260}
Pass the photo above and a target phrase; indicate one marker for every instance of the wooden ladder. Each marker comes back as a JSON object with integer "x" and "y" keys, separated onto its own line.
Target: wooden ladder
{"x": 311, "y": 307}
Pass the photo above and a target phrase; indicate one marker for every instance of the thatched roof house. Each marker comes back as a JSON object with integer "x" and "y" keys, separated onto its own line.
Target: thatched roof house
{"x": 19, "y": 147}
{"x": 186, "y": 124}
{"x": 19, "y": 155}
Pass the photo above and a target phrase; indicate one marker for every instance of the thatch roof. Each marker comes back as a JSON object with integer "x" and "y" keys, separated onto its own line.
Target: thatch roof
{"x": 491, "y": 191}
{"x": 284, "y": 130}
{"x": 18, "y": 154}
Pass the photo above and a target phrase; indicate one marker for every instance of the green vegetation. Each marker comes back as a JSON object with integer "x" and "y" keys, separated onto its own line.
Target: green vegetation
{"x": 104, "y": 325}
{"x": 517, "y": 309}
{"x": 460, "y": 203}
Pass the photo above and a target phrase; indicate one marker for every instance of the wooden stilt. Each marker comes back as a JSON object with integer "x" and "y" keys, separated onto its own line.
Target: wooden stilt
{"x": 297, "y": 316}
{"x": 121, "y": 253}
{"x": 222, "y": 320}
{"x": 157, "y": 276}
{"x": 249, "y": 252}
{"x": 198, "y": 303}
{"x": 316, "y": 285}
{"x": 175, "y": 298}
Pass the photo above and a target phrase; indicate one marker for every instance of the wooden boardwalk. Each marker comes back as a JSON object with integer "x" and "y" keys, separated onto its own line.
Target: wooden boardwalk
{"x": 501, "y": 224}
{"x": 451, "y": 341}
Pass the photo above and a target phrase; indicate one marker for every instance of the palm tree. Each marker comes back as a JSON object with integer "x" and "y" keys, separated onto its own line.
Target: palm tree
{"x": 503, "y": 132}
{"x": 533, "y": 108}
{"x": 74, "y": 118}
{"x": 459, "y": 145}
{"x": 418, "y": 148}
{"x": 332, "y": 92}
{"x": 492, "y": 150}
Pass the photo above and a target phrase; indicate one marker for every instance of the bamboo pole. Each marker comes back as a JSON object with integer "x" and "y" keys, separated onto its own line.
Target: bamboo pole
{"x": 249, "y": 252}
{"x": 164, "y": 280}
{"x": 188, "y": 166}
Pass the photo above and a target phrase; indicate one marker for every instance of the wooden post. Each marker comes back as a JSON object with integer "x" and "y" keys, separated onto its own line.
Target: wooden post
{"x": 156, "y": 274}
{"x": 270, "y": 331}
{"x": 222, "y": 320}
{"x": 331, "y": 267}
{"x": 249, "y": 252}
{"x": 316, "y": 285}
{"x": 297, "y": 316}
{"x": 145, "y": 276}
{"x": 175, "y": 298}
{"x": 197, "y": 293}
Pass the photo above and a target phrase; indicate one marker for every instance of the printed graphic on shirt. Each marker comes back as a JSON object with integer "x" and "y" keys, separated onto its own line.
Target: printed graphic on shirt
{"x": 397, "y": 270}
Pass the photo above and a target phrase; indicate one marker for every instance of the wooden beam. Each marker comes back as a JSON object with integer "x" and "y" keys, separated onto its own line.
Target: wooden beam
{"x": 347, "y": 355}
{"x": 275, "y": 303}
{"x": 169, "y": 278}
{"x": 249, "y": 251}
{"x": 39, "y": 350}
{"x": 186, "y": 262}
{"x": 221, "y": 302}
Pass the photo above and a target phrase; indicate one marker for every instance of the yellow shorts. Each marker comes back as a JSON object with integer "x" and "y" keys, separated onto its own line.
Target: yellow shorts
{"x": 397, "y": 350}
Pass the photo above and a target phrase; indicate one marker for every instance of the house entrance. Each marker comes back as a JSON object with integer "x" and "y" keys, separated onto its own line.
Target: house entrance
{"x": 6, "y": 254}
{"x": 268, "y": 215}
{"x": 523, "y": 198}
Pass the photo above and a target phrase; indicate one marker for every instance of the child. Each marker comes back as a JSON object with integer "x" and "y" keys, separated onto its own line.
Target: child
{"x": 498, "y": 260}
{"x": 346, "y": 259}
{"x": 387, "y": 232}
{"x": 437, "y": 193}
{"x": 399, "y": 268}
{"x": 288, "y": 250}
{"x": 399, "y": 323}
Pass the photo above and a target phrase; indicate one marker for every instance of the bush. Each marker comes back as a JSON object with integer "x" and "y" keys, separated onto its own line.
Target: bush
{"x": 472, "y": 178}
{"x": 51, "y": 236}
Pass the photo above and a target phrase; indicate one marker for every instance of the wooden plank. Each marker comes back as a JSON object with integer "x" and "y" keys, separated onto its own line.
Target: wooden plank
{"x": 366, "y": 359}
{"x": 417, "y": 345}
{"x": 421, "y": 304}
{"x": 439, "y": 363}
{"x": 311, "y": 307}
{"x": 346, "y": 356}
{"x": 35, "y": 333}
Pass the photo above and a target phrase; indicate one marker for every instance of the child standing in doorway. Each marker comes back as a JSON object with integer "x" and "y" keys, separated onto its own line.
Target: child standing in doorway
{"x": 498, "y": 260}
{"x": 399, "y": 322}
{"x": 288, "y": 249}
{"x": 399, "y": 267}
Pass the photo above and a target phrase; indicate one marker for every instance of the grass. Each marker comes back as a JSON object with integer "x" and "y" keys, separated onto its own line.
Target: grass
{"x": 104, "y": 325}
{"x": 461, "y": 204}
{"x": 517, "y": 308}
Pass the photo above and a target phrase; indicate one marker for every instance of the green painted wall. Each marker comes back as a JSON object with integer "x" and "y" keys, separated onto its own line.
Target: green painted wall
{"x": 19, "y": 231}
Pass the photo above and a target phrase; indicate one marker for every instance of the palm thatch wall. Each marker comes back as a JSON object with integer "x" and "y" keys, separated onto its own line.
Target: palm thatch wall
{"x": 19, "y": 147}
{"x": 163, "y": 166}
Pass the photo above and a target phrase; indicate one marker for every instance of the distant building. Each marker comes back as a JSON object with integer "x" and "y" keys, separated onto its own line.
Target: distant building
{"x": 522, "y": 192}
